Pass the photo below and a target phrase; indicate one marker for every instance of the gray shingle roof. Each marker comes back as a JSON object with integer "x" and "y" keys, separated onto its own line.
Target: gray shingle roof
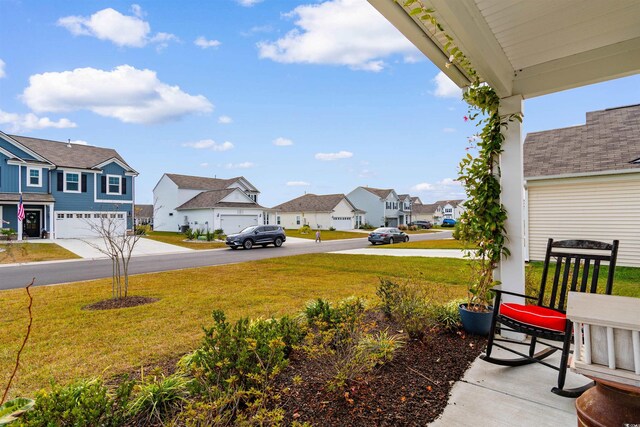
{"x": 424, "y": 209}
{"x": 212, "y": 199}
{"x": 69, "y": 155}
{"x": 26, "y": 197}
{"x": 380, "y": 192}
{"x": 609, "y": 141}
{"x": 200, "y": 182}
{"x": 143, "y": 211}
{"x": 312, "y": 203}
{"x": 416, "y": 200}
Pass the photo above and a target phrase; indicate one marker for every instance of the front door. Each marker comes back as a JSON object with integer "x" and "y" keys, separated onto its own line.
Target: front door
{"x": 31, "y": 224}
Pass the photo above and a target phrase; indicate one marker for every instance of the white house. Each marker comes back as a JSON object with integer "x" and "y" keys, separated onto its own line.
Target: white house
{"x": 448, "y": 209}
{"x": 583, "y": 182}
{"x": 423, "y": 212}
{"x": 382, "y": 206}
{"x": 318, "y": 212}
{"x": 205, "y": 203}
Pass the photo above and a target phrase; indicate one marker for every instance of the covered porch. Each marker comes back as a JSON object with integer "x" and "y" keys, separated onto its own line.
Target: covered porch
{"x": 38, "y": 210}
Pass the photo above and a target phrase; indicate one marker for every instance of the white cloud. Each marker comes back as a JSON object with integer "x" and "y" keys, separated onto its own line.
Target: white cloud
{"x": 111, "y": 25}
{"x": 298, "y": 184}
{"x": 29, "y": 121}
{"x": 209, "y": 144}
{"x": 448, "y": 130}
{"x": 125, "y": 93}
{"x": 423, "y": 186}
{"x": 366, "y": 173}
{"x": 79, "y": 142}
{"x": 204, "y": 165}
{"x": 338, "y": 32}
{"x": 225, "y": 120}
{"x": 248, "y": 3}
{"x": 445, "y": 189}
{"x": 2, "y": 72}
{"x": 445, "y": 88}
{"x": 334, "y": 156}
{"x": 243, "y": 165}
{"x": 205, "y": 44}
{"x": 282, "y": 142}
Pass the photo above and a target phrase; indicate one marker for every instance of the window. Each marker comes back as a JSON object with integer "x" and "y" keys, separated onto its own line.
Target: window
{"x": 120, "y": 216}
{"x": 71, "y": 182}
{"x": 79, "y": 216}
{"x": 388, "y": 205}
{"x": 297, "y": 220}
{"x": 278, "y": 219}
{"x": 112, "y": 215}
{"x": 87, "y": 215}
{"x": 33, "y": 179}
{"x": 60, "y": 216}
{"x": 69, "y": 215}
{"x": 96, "y": 215}
{"x": 113, "y": 184}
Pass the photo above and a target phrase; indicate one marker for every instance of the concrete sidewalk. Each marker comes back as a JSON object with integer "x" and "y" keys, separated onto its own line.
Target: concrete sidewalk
{"x": 431, "y": 253}
{"x": 496, "y": 396}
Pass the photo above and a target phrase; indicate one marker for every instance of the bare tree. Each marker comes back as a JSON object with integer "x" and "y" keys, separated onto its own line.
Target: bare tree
{"x": 118, "y": 244}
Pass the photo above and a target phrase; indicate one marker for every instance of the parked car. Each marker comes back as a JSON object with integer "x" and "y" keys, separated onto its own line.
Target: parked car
{"x": 422, "y": 224}
{"x": 387, "y": 235}
{"x": 448, "y": 222}
{"x": 257, "y": 235}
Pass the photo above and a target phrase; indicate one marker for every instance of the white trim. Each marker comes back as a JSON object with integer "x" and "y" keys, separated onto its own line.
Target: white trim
{"x": 119, "y": 163}
{"x": 110, "y": 193}
{"x": 29, "y": 163}
{"x": 578, "y": 175}
{"x": 64, "y": 183}
{"x": 29, "y": 169}
{"x": 125, "y": 202}
{"x": 10, "y": 154}
{"x": 23, "y": 148}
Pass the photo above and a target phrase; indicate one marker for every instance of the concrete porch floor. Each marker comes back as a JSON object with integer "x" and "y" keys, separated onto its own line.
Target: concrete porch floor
{"x": 492, "y": 395}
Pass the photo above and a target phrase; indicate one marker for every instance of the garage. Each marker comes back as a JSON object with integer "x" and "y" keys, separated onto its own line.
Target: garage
{"x": 235, "y": 223}
{"x": 78, "y": 225}
{"x": 342, "y": 222}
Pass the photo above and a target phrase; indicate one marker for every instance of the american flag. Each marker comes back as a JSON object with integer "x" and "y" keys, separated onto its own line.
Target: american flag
{"x": 20, "y": 210}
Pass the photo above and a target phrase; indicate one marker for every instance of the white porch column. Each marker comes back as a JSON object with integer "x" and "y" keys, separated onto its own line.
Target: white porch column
{"x": 18, "y": 205}
{"x": 51, "y": 222}
{"x": 511, "y": 269}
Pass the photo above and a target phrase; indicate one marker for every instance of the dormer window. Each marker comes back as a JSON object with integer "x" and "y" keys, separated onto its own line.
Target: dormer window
{"x": 34, "y": 177}
{"x": 114, "y": 184}
{"x": 71, "y": 182}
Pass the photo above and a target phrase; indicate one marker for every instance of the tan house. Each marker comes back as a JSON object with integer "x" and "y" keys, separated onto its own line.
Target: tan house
{"x": 318, "y": 212}
{"x": 420, "y": 212}
{"x": 583, "y": 182}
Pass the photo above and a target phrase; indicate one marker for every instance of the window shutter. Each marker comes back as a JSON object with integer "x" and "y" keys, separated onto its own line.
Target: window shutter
{"x": 103, "y": 186}
{"x": 60, "y": 181}
{"x": 124, "y": 184}
{"x": 83, "y": 178}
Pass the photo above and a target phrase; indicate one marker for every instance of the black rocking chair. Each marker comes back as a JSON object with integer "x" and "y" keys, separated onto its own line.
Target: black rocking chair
{"x": 577, "y": 268}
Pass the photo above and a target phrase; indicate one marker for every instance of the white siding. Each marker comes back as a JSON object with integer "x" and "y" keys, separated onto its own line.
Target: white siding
{"x": 595, "y": 208}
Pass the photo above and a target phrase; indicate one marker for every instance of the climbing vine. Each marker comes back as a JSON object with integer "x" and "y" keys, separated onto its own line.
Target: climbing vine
{"x": 483, "y": 222}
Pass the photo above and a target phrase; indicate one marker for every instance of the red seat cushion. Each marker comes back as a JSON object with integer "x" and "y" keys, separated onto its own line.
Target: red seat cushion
{"x": 534, "y": 315}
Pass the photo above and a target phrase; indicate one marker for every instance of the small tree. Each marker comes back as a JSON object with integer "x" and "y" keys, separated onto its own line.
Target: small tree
{"x": 118, "y": 245}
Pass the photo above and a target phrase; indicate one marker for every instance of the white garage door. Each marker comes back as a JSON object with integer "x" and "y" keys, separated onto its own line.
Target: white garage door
{"x": 342, "y": 222}
{"x": 235, "y": 223}
{"x": 77, "y": 225}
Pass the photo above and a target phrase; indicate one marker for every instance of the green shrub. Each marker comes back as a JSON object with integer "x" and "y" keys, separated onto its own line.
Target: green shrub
{"x": 413, "y": 227}
{"x": 332, "y": 229}
{"x": 81, "y": 403}
{"x": 13, "y": 409}
{"x": 347, "y": 312}
{"x": 209, "y": 235}
{"x": 402, "y": 227}
{"x": 305, "y": 229}
{"x": 143, "y": 230}
{"x": 158, "y": 397}
{"x": 457, "y": 231}
{"x": 190, "y": 234}
{"x": 447, "y": 316}
{"x": 388, "y": 293}
{"x": 367, "y": 226}
{"x": 244, "y": 354}
{"x": 407, "y": 303}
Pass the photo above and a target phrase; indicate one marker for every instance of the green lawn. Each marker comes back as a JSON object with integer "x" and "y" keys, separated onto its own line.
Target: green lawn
{"x": 178, "y": 239}
{"x": 325, "y": 234}
{"x": 68, "y": 342}
{"x": 33, "y": 252}
{"x": 426, "y": 244}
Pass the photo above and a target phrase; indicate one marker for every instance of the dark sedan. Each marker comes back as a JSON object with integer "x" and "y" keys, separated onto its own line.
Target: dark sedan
{"x": 389, "y": 235}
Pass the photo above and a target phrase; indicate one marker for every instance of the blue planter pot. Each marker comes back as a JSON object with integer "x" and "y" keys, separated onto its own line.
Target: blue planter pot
{"x": 474, "y": 322}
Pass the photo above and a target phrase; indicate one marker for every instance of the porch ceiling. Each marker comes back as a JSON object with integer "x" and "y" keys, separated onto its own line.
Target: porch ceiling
{"x": 529, "y": 47}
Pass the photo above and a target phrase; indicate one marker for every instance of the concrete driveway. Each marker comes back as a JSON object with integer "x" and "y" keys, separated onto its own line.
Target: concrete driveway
{"x": 88, "y": 248}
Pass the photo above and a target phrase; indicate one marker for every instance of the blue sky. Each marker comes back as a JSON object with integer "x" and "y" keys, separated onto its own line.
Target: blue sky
{"x": 297, "y": 96}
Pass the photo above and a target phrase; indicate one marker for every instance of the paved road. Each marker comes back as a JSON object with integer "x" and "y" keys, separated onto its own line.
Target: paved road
{"x": 78, "y": 270}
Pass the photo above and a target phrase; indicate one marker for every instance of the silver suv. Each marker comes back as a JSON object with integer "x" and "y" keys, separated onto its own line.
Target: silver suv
{"x": 257, "y": 235}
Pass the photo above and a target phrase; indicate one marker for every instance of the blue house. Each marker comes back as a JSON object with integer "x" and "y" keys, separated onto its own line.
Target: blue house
{"x": 66, "y": 188}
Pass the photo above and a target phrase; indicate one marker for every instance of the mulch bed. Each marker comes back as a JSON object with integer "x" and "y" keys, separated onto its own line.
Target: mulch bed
{"x": 115, "y": 303}
{"x": 411, "y": 390}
